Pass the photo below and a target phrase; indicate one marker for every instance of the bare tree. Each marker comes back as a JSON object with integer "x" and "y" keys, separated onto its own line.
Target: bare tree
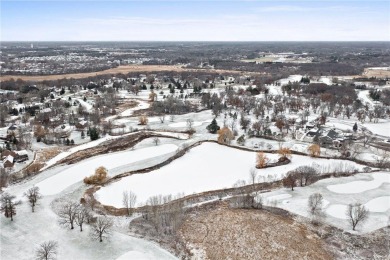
{"x": 102, "y": 228}
{"x": 33, "y": 196}
{"x": 356, "y": 213}
{"x": 129, "y": 199}
{"x": 47, "y": 250}
{"x": 4, "y": 177}
{"x": 290, "y": 180}
{"x": 366, "y": 138}
{"x": 252, "y": 176}
{"x": 355, "y": 150}
{"x": 190, "y": 123}
{"x": 82, "y": 215}
{"x": 8, "y": 205}
{"x": 305, "y": 174}
{"x": 67, "y": 213}
{"x": 382, "y": 159}
{"x": 315, "y": 204}
{"x": 162, "y": 118}
{"x": 156, "y": 141}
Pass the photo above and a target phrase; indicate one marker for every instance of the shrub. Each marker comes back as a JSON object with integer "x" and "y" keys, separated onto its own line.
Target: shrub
{"x": 143, "y": 120}
{"x": 261, "y": 160}
{"x": 284, "y": 153}
{"x": 225, "y": 135}
{"x": 314, "y": 150}
{"x": 98, "y": 177}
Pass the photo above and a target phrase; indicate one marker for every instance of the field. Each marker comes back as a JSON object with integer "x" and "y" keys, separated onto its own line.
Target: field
{"x": 225, "y": 233}
{"x": 114, "y": 162}
{"x": 377, "y": 72}
{"x": 204, "y": 168}
{"x": 120, "y": 69}
{"x": 369, "y": 189}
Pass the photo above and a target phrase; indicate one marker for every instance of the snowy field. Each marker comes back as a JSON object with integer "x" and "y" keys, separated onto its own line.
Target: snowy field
{"x": 381, "y": 128}
{"x": 369, "y": 189}
{"x": 291, "y": 79}
{"x": 184, "y": 124}
{"x": 130, "y": 111}
{"x": 20, "y": 238}
{"x": 360, "y": 186}
{"x": 206, "y": 167}
{"x": 112, "y": 161}
{"x": 99, "y": 141}
{"x": 81, "y": 147}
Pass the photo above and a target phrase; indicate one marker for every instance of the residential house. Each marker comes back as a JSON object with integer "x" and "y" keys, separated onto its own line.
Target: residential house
{"x": 328, "y": 138}
{"x": 8, "y": 162}
{"x": 13, "y": 129}
{"x": 21, "y": 156}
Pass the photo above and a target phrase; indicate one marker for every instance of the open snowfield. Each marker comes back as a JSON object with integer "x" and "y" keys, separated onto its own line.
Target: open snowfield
{"x": 79, "y": 171}
{"x": 345, "y": 190}
{"x": 381, "y": 128}
{"x": 380, "y": 204}
{"x": 291, "y": 78}
{"x": 206, "y": 167}
{"x": 363, "y": 95}
{"x": 184, "y": 124}
{"x": 360, "y": 186}
{"x": 72, "y": 150}
{"x": 141, "y": 105}
{"x": 20, "y": 238}
{"x": 84, "y": 104}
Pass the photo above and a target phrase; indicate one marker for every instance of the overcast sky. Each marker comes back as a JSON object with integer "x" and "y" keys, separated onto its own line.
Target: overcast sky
{"x": 195, "y": 20}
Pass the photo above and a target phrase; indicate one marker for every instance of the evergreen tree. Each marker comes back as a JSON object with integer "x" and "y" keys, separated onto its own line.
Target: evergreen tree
{"x": 213, "y": 127}
{"x": 93, "y": 133}
{"x": 241, "y": 140}
{"x": 355, "y": 127}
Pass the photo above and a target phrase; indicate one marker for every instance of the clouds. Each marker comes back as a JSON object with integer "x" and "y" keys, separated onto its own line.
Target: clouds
{"x": 198, "y": 21}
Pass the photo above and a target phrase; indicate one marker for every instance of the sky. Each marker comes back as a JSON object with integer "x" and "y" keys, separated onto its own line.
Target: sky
{"x": 217, "y": 20}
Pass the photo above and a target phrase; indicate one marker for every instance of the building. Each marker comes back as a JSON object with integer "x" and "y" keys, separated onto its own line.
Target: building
{"x": 21, "y": 156}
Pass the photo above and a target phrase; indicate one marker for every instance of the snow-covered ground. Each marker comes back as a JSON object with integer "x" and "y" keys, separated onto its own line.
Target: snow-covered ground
{"x": 370, "y": 189}
{"x": 76, "y": 149}
{"x": 206, "y": 167}
{"x": 360, "y": 186}
{"x": 114, "y": 162}
{"x": 130, "y": 111}
{"x": 20, "y": 238}
{"x": 382, "y": 128}
{"x": 184, "y": 124}
{"x": 84, "y": 104}
{"x": 291, "y": 78}
{"x": 363, "y": 95}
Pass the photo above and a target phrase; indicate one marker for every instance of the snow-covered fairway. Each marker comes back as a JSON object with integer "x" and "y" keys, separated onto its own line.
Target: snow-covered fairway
{"x": 130, "y": 111}
{"x": 369, "y": 189}
{"x": 79, "y": 171}
{"x": 381, "y": 128}
{"x": 206, "y": 167}
{"x": 360, "y": 186}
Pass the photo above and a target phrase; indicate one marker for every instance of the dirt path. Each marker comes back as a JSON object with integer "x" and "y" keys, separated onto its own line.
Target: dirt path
{"x": 121, "y": 69}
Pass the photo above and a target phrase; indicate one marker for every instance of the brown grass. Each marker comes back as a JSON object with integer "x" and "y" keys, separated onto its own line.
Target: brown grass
{"x": 224, "y": 233}
{"x": 41, "y": 157}
{"x": 48, "y": 153}
{"x": 378, "y": 73}
{"x": 120, "y": 69}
